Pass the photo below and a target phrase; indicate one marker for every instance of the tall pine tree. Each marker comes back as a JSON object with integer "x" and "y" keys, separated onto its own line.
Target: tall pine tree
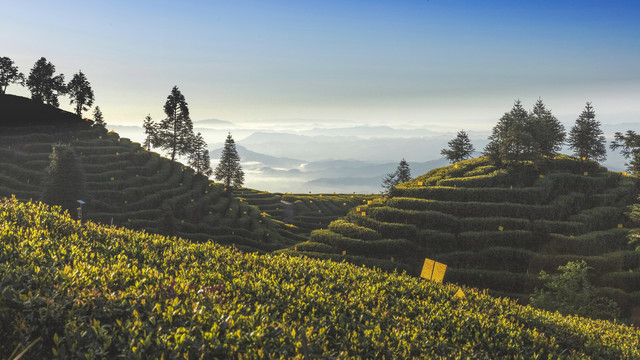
{"x": 548, "y": 133}
{"x": 64, "y": 182}
{"x": 80, "y": 92}
{"x": 98, "y": 118}
{"x": 150, "y": 131}
{"x": 402, "y": 174}
{"x": 175, "y": 132}
{"x": 460, "y": 148}
{"x": 586, "y": 138}
{"x": 199, "y": 157}
{"x": 511, "y": 139}
{"x": 229, "y": 170}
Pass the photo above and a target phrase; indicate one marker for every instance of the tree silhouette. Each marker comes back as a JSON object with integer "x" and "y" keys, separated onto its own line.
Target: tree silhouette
{"x": 548, "y": 133}
{"x": 629, "y": 145}
{"x": 402, "y": 174}
{"x": 9, "y": 74}
{"x": 98, "y": 118}
{"x": 511, "y": 138}
{"x": 175, "y": 132}
{"x": 229, "y": 170}
{"x": 80, "y": 92}
{"x": 586, "y": 138}
{"x": 64, "y": 182}
{"x": 44, "y": 86}
{"x": 460, "y": 148}
{"x": 150, "y": 130}
{"x": 199, "y": 157}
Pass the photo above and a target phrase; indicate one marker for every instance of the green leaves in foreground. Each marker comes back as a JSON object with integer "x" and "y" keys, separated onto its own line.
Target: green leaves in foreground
{"x": 91, "y": 291}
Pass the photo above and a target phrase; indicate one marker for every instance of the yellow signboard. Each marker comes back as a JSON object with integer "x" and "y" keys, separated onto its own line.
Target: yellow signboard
{"x": 433, "y": 270}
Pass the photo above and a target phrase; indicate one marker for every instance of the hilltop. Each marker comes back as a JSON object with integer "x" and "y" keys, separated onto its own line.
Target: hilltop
{"x": 76, "y": 290}
{"x": 127, "y": 184}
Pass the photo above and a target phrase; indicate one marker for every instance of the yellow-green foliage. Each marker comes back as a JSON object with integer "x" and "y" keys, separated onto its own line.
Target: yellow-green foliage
{"x": 89, "y": 291}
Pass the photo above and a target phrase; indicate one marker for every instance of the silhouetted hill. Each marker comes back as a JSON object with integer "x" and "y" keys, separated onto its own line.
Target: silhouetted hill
{"x": 21, "y": 111}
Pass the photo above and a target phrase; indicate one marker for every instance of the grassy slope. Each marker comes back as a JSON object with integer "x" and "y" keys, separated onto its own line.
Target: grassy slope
{"x": 90, "y": 290}
{"x": 497, "y": 229}
{"x": 127, "y": 185}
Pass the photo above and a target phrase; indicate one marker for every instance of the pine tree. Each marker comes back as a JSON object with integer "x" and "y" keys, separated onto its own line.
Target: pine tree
{"x": 175, "y": 132}
{"x": 64, "y": 182}
{"x": 402, "y": 174}
{"x": 150, "y": 130}
{"x": 98, "y": 118}
{"x": 199, "y": 157}
{"x": 511, "y": 139}
{"x": 460, "y": 148}
{"x": 548, "y": 133}
{"x": 43, "y": 85}
{"x": 229, "y": 170}
{"x": 586, "y": 138}
{"x": 629, "y": 145}
{"x": 9, "y": 74}
{"x": 80, "y": 93}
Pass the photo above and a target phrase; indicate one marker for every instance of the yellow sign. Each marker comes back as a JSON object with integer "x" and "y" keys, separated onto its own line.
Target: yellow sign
{"x": 459, "y": 294}
{"x": 358, "y": 209}
{"x": 500, "y": 228}
{"x": 344, "y": 252}
{"x": 620, "y": 226}
{"x": 541, "y": 176}
{"x": 420, "y": 183}
{"x": 586, "y": 173}
{"x": 432, "y": 270}
{"x": 364, "y": 213}
{"x": 369, "y": 202}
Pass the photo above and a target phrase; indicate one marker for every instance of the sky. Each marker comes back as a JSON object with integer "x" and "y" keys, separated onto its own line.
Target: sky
{"x": 398, "y": 63}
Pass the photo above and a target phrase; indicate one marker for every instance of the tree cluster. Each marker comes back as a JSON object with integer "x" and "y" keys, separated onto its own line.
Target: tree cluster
{"x": 525, "y": 135}
{"x": 175, "y": 134}
{"x": 45, "y": 86}
{"x": 535, "y": 134}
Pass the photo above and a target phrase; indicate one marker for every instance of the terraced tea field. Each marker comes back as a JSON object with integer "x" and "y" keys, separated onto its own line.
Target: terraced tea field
{"x": 128, "y": 185}
{"x": 74, "y": 290}
{"x": 303, "y": 213}
{"x": 497, "y": 229}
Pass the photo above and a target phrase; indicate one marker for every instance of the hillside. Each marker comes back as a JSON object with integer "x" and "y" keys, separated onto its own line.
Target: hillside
{"x": 497, "y": 228}
{"x": 74, "y": 290}
{"x": 127, "y": 185}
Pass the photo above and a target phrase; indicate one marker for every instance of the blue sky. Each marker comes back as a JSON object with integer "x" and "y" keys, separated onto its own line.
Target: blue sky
{"x": 460, "y": 63}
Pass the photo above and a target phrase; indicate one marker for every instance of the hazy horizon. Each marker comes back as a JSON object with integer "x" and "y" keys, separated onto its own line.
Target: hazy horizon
{"x": 459, "y": 64}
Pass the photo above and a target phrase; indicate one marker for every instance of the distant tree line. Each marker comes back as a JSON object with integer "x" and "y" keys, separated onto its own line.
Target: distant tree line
{"x": 175, "y": 135}
{"x": 522, "y": 135}
{"x": 46, "y": 86}
{"x": 533, "y": 135}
